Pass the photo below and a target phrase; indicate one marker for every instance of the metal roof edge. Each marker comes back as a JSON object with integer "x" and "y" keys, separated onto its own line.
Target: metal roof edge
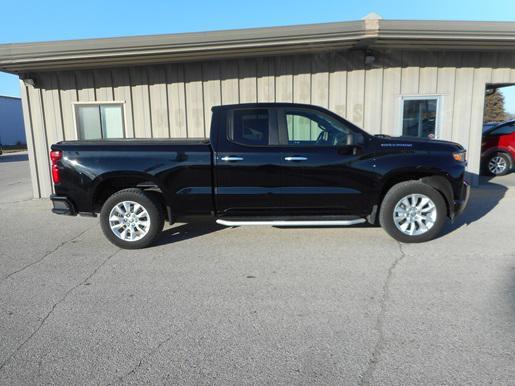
{"x": 271, "y": 40}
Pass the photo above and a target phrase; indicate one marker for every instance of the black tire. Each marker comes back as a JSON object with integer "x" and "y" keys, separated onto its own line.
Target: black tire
{"x": 491, "y": 157}
{"x": 149, "y": 202}
{"x": 398, "y": 192}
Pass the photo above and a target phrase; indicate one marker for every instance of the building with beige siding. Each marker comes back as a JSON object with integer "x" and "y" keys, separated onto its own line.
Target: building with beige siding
{"x": 421, "y": 78}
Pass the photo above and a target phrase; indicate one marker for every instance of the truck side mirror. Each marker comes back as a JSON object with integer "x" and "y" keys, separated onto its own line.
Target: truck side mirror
{"x": 355, "y": 139}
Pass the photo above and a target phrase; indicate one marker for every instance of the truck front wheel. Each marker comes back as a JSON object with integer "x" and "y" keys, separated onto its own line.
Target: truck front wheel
{"x": 132, "y": 219}
{"x": 413, "y": 212}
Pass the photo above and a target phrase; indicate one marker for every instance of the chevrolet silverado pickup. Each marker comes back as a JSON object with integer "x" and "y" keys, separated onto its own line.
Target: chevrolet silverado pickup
{"x": 278, "y": 164}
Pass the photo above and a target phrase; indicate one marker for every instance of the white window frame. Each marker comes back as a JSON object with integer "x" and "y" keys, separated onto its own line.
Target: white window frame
{"x": 98, "y": 103}
{"x": 439, "y": 109}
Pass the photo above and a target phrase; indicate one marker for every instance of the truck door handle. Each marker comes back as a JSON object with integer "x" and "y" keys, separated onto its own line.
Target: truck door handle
{"x": 228, "y": 158}
{"x": 296, "y": 158}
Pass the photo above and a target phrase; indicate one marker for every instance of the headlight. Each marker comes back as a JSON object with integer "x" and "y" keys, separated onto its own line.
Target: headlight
{"x": 460, "y": 156}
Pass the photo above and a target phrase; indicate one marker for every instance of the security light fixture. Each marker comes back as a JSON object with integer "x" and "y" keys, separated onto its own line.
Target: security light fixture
{"x": 29, "y": 80}
{"x": 370, "y": 58}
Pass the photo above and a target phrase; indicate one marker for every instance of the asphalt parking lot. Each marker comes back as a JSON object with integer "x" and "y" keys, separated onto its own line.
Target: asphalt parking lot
{"x": 254, "y": 305}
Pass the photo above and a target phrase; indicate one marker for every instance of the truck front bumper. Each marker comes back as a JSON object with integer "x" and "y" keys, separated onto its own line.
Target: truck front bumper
{"x": 62, "y": 205}
{"x": 461, "y": 203}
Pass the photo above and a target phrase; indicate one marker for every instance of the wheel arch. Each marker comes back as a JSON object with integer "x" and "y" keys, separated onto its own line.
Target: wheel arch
{"x": 494, "y": 150}
{"x": 444, "y": 187}
{"x": 108, "y": 184}
{"x": 436, "y": 181}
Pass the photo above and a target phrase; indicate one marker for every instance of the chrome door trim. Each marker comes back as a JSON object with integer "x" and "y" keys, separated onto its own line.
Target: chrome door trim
{"x": 228, "y": 158}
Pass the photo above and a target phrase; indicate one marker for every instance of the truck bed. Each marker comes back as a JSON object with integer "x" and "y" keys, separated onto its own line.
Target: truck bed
{"x": 180, "y": 169}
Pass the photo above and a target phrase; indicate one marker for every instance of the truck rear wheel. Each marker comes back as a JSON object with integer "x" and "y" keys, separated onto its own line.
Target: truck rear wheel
{"x": 413, "y": 212}
{"x": 132, "y": 219}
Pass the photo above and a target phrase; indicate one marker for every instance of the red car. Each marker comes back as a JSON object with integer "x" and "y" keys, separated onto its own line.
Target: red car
{"x": 498, "y": 149}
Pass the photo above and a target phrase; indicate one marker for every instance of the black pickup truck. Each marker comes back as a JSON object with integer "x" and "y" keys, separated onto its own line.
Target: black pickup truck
{"x": 276, "y": 164}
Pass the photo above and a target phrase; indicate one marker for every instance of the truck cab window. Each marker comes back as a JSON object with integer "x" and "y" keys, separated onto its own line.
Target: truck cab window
{"x": 250, "y": 127}
{"x": 311, "y": 128}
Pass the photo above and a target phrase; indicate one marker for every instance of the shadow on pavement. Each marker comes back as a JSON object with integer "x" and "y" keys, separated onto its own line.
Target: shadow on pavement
{"x": 13, "y": 157}
{"x": 187, "y": 231}
{"x": 506, "y": 180}
{"x": 482, "y": 200}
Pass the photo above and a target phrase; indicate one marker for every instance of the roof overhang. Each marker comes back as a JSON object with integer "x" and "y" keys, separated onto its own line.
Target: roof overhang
{"x": 367, "y": 33}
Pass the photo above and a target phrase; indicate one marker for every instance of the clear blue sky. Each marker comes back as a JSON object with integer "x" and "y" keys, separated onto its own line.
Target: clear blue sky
{"x": 32, "y": 20}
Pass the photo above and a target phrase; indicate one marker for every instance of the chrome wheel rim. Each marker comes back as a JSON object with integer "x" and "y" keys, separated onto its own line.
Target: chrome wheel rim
{"x": 415, "y": 214}
{"x": 497, "y": 165}
{"x": 129, "y": 221}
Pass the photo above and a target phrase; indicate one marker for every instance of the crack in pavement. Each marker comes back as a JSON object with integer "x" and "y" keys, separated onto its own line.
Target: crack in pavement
{"x": 16, "y": 202}
{"x": 366, "y": 376}
{"x": 45, "y": 255}
{"x": 16, "y": 183}
{"x": 61, "y": 300}
{"x": 148, "y": 355}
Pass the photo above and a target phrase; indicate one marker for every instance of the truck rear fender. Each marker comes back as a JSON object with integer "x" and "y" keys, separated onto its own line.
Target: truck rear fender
{"x": 106, "y": 185}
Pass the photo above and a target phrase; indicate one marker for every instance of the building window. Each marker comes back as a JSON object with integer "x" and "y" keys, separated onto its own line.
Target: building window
{"x": 99, "y": 121}
{"x": 420, "y": 116}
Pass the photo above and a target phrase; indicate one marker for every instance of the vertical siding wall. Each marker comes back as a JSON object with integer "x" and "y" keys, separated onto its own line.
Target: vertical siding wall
{"x": 175, "y": 100}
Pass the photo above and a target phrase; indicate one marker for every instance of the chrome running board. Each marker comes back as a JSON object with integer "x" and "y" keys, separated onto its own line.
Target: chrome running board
{"x": 292, "y": 223}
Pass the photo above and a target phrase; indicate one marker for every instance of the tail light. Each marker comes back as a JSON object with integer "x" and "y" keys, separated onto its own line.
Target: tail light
{"x": 55, "y": 156}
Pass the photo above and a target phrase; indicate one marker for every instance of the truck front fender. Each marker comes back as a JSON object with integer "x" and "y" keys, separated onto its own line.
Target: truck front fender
{"x": 442, "y": 185}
